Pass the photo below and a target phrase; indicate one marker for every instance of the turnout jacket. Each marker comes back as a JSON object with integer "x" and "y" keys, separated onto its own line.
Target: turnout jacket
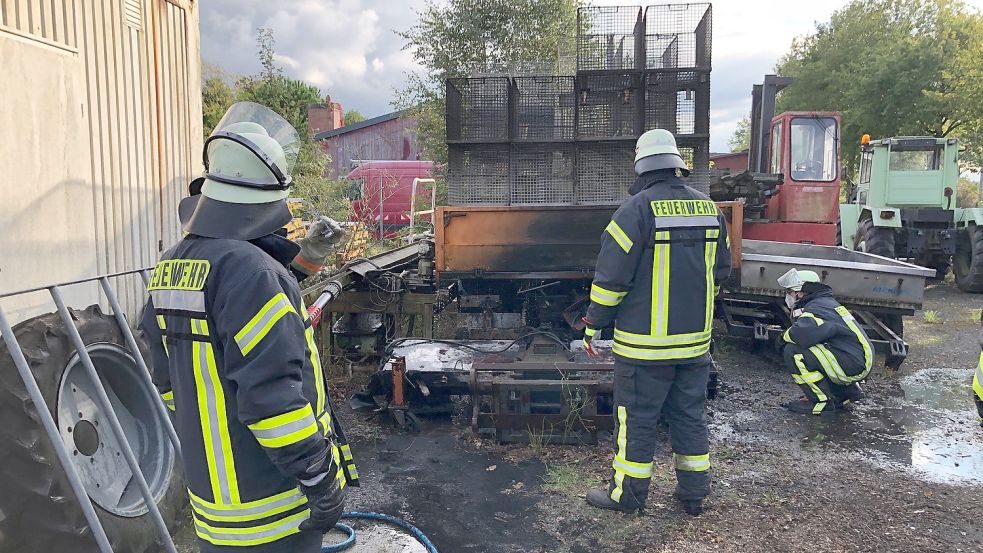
{"x": 235, "y": 360}
{"x": 663, "y": 257}
{"x": 830, "y": 332}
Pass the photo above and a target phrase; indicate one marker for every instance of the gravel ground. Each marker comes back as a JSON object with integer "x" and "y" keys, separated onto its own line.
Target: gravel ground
{"x": 902, "y": 472}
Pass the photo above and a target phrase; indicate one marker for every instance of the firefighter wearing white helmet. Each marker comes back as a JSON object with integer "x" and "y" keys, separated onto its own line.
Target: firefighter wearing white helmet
{"x": 825, "y": 349}
{"x": 663, "y": 257}
{"x": 234, "y": 356}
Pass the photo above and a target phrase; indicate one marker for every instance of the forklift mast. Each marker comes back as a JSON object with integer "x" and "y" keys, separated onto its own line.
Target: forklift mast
{"x": 800, "y": 150}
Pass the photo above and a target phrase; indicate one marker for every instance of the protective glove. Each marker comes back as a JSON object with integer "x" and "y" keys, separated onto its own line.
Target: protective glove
{"x": 589, "y": 332}
{"x": 321, "y": 238}
{"x": 325, "y": 498}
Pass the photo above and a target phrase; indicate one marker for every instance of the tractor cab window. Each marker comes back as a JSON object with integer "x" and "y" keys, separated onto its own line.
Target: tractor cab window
{"x": 813, "y": 141}
{"x": 915, "y": 158}
{"x": 355, "y": 189}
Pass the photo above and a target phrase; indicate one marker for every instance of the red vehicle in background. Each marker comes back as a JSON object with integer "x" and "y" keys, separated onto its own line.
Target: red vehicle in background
{"x": 381, "y": 193}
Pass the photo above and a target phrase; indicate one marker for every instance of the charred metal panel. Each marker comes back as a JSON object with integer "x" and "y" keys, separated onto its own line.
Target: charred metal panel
{"x": 475, "y": 240}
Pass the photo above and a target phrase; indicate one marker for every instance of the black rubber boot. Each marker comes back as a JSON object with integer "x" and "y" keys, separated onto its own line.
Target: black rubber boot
{"x": 849, "y": 394}
{"x": 804, "y": 406}
{"x": 602, "y": 500}
{"x": 692, "y": 507}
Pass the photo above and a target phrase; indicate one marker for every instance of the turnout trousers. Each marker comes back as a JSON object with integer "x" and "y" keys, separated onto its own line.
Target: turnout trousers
{"x": 820, "y": 381}
{"x": 643, "y": 393}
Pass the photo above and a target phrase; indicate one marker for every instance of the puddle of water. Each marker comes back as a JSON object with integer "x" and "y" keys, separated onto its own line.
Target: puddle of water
{"x": 377, "y": 538}
{"x": 930, "y": 428}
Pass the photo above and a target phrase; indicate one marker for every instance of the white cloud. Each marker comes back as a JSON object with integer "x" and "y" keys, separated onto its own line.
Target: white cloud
{"x": 350, "y": 50}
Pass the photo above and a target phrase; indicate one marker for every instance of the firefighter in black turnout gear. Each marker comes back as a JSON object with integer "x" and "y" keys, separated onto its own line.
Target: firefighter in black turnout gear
{"x": 234, "y": 356}
{"x": 825, "y": 349}
{"x": 663, "y": 257}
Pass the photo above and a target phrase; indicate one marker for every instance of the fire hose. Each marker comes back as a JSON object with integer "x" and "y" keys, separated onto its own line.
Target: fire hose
{"x": 350, "y": 540}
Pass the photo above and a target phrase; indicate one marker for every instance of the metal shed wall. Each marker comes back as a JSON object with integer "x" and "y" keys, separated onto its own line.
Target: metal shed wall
{"x": 102, "y": 132}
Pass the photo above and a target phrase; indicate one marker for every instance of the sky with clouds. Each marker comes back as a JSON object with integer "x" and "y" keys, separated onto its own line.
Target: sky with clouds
{"x": 350, "y": 49}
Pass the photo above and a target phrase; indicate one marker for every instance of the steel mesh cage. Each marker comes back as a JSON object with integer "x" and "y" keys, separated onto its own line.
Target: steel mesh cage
{"x": 478, "y": 109}
{"x": 678, "y": 101}
{"x": 542, "y": 174}
{"x": 609, "y": 38}
{"x": 678, "y": 36}
{"x": 478, "y": 174}
{"x": 608, "y": 105}
{"x": 605, "y": 170}
{"x": 696, "y": 154}
{"x": 545, "y": 108}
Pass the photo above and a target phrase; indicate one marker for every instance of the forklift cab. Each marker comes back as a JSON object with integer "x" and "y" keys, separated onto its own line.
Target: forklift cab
{"x": 805, "y": 148}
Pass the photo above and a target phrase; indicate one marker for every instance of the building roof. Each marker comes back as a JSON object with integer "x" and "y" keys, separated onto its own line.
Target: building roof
{"x": 359, "y": 125}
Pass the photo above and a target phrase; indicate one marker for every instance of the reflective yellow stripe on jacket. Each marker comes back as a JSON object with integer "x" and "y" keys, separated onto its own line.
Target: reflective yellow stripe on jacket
{"x": 978, "y": 379}
{"x": 285, "y": 429}
{"x": 214, "y": 418}
{"x": 606, "y": 297}
{"x": 257, "y": 328}
{"x": 619, "y": 236}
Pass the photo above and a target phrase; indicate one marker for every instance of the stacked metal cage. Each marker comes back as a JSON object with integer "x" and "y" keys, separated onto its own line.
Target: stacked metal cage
{"x": 561, "y": 140}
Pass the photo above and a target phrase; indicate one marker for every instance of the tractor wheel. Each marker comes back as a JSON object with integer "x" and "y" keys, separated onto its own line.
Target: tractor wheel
{"x": 968, "y": 261}
{"x": 875, "y": 240}
{"x": 38, "y": 510}
{"x": 839, "y": 234}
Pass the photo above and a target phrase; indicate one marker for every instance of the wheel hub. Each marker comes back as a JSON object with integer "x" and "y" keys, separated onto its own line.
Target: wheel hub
{"x": 86, "y": 438}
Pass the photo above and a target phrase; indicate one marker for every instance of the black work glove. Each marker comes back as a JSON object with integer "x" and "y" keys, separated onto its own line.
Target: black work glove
{"x": 326, "y": 499}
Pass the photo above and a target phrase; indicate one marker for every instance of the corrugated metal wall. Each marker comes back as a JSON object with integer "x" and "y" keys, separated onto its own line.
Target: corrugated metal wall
{"x": 124, "y": 126}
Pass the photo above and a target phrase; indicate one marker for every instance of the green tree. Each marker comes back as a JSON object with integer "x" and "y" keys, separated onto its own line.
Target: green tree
{"x": 741, "y": 139}
{"x": 892, "y": 67}
{"x": 216, "y": 96}
{"x": 456, "y": 38}
{"x": 353, "y": 116}
{"x": 968, "y": 193}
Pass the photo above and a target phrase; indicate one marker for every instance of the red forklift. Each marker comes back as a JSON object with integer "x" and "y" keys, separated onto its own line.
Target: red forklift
{"x": 790, "y": 185}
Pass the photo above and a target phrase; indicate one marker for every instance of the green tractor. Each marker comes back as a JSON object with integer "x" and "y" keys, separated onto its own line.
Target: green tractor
{"x": 904, "y": 208}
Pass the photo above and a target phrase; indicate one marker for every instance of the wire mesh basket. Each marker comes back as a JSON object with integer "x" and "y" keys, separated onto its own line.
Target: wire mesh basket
{"x": 678, "y": 101}
{"x": 478, "y": 174}
{"x": 605, "y": 170}
{"x": 542, "y": 174}
{"x": 609, "y": 38}
{"x": 545, "y": 109}
{"x": 608, "y": 105}
{"x": 478, "y": 109}
{"x": 696, "y": 153}
{"x": 678, "y": 36}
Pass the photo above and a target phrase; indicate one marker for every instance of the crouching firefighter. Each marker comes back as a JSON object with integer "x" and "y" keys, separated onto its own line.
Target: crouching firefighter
{"x": 825, "y": 349}
{"x": 663, "y": 256}
{"x": 234, "y": 356}
{"x": 978, "y": 380}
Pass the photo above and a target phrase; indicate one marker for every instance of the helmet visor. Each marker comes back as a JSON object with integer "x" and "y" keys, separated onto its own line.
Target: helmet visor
{"x": 266, "y": 134}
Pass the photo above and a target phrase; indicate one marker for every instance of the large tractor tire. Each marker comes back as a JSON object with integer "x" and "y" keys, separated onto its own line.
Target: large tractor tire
{"x": 875, "y": 240}
{"x": 38, "y": 510}
{"x": 968, "y": 261}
